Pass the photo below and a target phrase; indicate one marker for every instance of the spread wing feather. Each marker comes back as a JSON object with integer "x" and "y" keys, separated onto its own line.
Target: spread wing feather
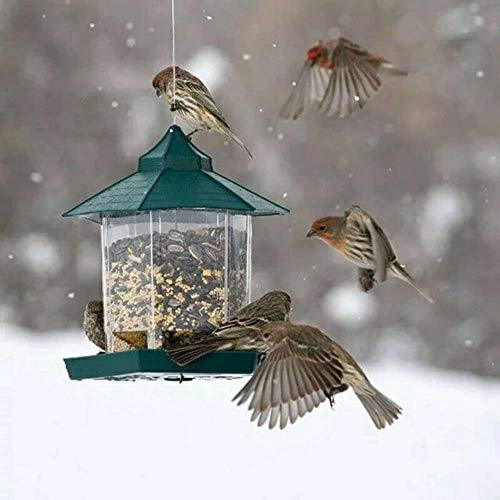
{"x": 354, "y": 80}
{"x": 291, "y": 381}
{"x": 308, "y": 92}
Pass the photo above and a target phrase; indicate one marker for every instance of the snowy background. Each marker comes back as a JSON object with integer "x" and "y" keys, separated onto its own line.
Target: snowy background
{"x": 77, "y": 109}
{"x": 101, "y": 440}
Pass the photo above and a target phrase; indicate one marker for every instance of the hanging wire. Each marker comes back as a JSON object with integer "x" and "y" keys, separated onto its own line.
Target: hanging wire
{"x": 173, "y": 58}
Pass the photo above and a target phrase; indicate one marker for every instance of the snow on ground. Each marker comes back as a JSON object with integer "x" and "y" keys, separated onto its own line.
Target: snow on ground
{"x": 147, "y": 440}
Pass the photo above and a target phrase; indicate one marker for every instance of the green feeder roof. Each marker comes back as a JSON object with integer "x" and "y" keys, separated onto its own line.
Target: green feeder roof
{"x": 174, "y": 174}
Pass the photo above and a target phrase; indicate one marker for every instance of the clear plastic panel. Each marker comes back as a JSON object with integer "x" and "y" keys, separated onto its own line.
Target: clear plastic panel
{"x": 127, "y": 285}
{"x": 239, "y": 260}
{"x": 189, "y": 250}
{"x": 169, "y": 275}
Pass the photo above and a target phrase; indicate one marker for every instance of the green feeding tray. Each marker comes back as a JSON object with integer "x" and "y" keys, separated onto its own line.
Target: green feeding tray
{"x": 176, "y": 252}
{"x": 154, "y": 364}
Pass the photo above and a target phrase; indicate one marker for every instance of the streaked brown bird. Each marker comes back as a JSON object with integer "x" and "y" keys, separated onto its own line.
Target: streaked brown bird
{"x": 193, "y": 102}
{"x": 273, "y": 306}
{"x": 337, "y": 78}
{"x": 93, "y": 323}
{"x": 303, "y": 367}
{"x": 93, "y": 326}
{"x": 360, "y": 240}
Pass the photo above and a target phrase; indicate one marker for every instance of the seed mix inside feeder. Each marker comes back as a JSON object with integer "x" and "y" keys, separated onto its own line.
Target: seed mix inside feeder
{"x": 176, "y": 253}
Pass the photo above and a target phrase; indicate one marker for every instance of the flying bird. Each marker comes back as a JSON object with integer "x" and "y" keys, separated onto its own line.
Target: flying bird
{"x": 360, "y": 240}
{"x": 303, "y": 368}
{"x": 337, "y": 78}
{"x": 273, "y": 306}
{"x": 193, "y": 102}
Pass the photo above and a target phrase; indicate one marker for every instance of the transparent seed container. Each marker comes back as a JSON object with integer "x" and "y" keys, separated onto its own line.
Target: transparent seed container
{"x": 169, "y": 275}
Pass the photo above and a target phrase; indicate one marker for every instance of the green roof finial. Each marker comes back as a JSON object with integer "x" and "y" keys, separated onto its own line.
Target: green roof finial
{"x": 175, "y": 151}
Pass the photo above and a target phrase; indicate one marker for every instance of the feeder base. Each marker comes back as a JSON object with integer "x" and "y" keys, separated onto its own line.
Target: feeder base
{"x": 155, "y": 364}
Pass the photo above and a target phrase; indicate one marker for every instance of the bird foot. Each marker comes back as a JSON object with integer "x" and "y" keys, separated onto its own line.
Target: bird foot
{"x": 335, "y": 390}
{"x": 366, "y": 279}
{"x": 192, "y": 133}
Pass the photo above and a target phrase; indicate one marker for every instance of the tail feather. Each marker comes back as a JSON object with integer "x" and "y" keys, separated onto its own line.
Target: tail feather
{"x": 400, "y": 272}
{"x": 393, "y": 70}
{"x": 238, "y": 141}
{"x": 381, "y": 409}
{"x": 189, "y": 353}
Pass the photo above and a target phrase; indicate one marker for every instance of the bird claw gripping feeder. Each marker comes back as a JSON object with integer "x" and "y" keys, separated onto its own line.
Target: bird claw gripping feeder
{"x": 176, "y": 260}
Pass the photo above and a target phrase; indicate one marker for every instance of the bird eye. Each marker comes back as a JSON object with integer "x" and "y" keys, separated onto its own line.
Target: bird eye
{"x": 266, "y": 336}
{"x": 322, "y": 228}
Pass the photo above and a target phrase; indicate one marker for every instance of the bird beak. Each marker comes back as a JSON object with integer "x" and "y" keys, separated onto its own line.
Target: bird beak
{"x": 311, "y": 233}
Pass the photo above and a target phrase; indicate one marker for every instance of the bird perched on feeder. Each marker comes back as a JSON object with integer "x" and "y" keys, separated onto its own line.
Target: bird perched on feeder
{"x": 364, "y": 243}
{"x": 93, "y": 326}
{"x": 193, "y": 102}
{"x": 93, "y": 323}
{"x": 273, "y": 306}
{"x": 303, "y": 367}
{"x": 337, "y": 78}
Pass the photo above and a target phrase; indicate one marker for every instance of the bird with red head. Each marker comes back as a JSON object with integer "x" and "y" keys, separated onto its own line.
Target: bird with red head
{"x": 360, "y": 240}
{"x": 337, "y": 78}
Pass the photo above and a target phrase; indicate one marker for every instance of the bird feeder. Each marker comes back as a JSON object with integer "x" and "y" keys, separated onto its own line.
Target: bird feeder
{"x": 176, "y": 243}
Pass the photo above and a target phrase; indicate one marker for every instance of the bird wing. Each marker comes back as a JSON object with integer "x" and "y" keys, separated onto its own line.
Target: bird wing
{"x": 236, "y": 325}
{"x": 361, "y": 224}
{"x": 309, "y": 90}
{"x": 197, "y": 89}
{"x": 354, "y": 79}
{"x": 291, "y": 381}
{"x": 273, "y": 306}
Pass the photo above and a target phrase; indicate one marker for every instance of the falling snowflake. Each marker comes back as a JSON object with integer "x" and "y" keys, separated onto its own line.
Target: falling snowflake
{"x": 388, "y": 128}
{"x": 114, "y": 104}
{"x": 346, "y": 305}
{"x": 130, "y": 42}
{"x": 208, "y": 18}
{"x": 246, "y": 57}
{"x": 36, "y": 177}
{"x": 71, "y": 295}
{"x": 129, "y": 26}
{"x": 92, "y": 25}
